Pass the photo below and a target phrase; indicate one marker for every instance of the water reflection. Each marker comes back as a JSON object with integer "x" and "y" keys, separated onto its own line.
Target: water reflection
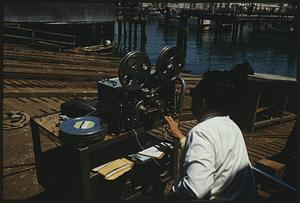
{"x": 204, "y": 53}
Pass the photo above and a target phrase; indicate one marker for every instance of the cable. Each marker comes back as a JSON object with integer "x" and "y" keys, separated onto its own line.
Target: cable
{"x": 141, "y": 146}
{"x": 137, "y": 139}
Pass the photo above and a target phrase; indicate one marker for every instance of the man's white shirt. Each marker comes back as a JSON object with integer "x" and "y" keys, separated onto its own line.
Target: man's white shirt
{"x": 215, "y": 163}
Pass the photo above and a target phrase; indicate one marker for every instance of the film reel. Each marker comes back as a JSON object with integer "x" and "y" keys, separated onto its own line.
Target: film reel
{"x": 168, "y": 64}
{"x": 134, "y": 70}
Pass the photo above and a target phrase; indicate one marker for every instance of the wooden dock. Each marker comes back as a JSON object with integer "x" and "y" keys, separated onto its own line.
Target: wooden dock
{"x": 37, "y": 82}
{"x": 37, "y": 74}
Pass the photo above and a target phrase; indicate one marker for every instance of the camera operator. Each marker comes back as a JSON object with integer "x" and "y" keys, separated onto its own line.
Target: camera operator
{"x": 214, "y": 163}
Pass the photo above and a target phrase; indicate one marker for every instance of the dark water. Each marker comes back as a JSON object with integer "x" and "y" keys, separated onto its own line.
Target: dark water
{"x": 264, "y": 56}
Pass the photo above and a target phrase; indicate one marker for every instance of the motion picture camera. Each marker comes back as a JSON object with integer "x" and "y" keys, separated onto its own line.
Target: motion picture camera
{"x": 142, "y": 94}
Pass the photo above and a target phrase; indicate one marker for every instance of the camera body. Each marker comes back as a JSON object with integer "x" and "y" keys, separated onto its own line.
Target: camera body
{"x": 124, "y": 110}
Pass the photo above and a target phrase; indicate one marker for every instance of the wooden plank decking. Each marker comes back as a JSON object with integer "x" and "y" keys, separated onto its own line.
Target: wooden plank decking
{"x": 38, "y": 82}
{"x": 261, "y": 143}
{"x": 67, "y": 74}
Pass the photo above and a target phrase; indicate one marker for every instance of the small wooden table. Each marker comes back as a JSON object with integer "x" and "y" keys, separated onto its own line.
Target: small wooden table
{"x": 259, "y": 97}
{"x": 82, "y": 155}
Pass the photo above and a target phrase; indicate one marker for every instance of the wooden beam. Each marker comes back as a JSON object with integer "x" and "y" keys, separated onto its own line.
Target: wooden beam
{"x": 274, "y": 121}
{"x": 56, "y": 93}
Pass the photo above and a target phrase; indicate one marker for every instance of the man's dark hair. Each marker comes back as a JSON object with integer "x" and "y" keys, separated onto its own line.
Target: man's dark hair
{"x": 218, "y": 88}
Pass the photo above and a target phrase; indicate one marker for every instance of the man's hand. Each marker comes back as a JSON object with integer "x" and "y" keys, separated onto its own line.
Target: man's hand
{"x": 173, "y": 127}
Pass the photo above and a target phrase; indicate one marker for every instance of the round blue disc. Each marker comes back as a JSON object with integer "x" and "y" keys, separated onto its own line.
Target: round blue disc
{"x": 83, "y": 126}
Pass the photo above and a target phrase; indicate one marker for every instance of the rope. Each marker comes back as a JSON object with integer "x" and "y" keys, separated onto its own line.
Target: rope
{"x": 15, "y": 119}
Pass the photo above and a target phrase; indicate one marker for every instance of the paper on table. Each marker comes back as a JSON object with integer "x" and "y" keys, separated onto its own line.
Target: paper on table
{"x": 114, "y": 169}
{"x": 140, "y": 158}
{"x": 156, "y": 151}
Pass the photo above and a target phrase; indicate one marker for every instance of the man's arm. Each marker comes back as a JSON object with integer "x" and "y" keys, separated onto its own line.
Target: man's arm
{"x": 197, "y": 178}
{"x": 173, "y": 128}
{"x": 175, "y": 131}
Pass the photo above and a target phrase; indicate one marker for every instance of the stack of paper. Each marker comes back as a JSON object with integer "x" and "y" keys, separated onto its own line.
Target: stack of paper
{"x": 156, "y": 151}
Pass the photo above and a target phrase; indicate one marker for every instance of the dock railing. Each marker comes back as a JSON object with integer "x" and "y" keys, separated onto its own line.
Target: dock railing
{"x": 38, "y": 36}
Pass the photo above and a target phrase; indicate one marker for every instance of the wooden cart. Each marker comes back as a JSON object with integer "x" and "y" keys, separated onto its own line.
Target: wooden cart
{"x": 68, "y": 170}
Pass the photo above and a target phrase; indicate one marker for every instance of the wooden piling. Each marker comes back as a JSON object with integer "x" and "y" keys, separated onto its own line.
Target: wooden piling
{"x": 143, "y": 45}
{"x": 125, "y": 30}
{"x": 258, "y": 25}
{"x": 198, "y": 24}
{"x": 198, "y": 27}
{"x": 129, "y": 34}
{"x": 201, "y": 28}
{"x": 236, "y": 30}
{"x": 220, "y": 31}
{"x": 181, "y": 43}
{"x": 167, "y": 17}
{"x": 266, "y": 26}
{"x": 143, "y": 31}
{"x": 216, "y": 30}
{"x": 125, "y": 35}
{"x": 232, "y": 31}
{"x": 135, "y": 35}
{"x": 119, "y": 31}
{"x": 241, "y": 31}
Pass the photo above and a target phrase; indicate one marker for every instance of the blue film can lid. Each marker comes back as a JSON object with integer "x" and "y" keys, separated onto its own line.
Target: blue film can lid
{"x": 83, "y": 126}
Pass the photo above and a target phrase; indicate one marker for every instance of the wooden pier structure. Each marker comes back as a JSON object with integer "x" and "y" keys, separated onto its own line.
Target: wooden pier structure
{"x": 131, "y": 21}
{"x": 37, "y": 82}
{"x": 239, "y": 20}
{"x": 236, "y": 19}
